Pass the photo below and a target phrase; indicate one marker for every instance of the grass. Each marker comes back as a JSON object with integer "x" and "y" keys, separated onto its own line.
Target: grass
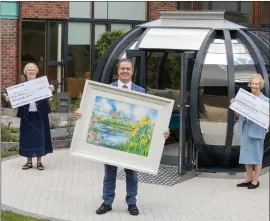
{"x": 10, "y": 216}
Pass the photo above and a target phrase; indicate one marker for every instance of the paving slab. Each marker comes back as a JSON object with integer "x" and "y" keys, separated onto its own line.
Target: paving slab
{"x": 70, "y": 189}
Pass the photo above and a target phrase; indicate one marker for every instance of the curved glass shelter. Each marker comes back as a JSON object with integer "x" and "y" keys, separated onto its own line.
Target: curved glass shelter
{"x": 200, "y": 59}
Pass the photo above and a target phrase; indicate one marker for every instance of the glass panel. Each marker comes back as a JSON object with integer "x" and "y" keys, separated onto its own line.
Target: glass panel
{"x": 130, "y": 47}
{"x": 221, "y": 41}
{"x": 115, "y": 10}
{"x": 183, "y": 5}
{"x": 242, "y": 76}
{"x": 264, "y": 13}
{"x": 56, "y": 44}
{"x": 220, "y": 48}
{"x": 229, "y": 6}
{"x": 263, "y": 35}
{"x": 217, "y": 48}
{"x": 99, "y": 30}
{"x": 123, "y": 27}
{"x": 152, "y": 71}
{"x": 101, "y": 10}
{"x": 79, "y": 57}
{"x": 34, "y": 44}
{"x": 243, "y": 73}
{"x": 56, "y": 73}
{"x": 213, "y": 103}
{"x": 75, "y": 36}
{"x": 80, "y": 9}
{"x": 242, "y": 59}
{"x": 9, "y": 10}
{"x": 170, "y": 38}
{"x": 246, "y": 7}
{"x": 212, "y": 58}
{"x": 239, "y": 49}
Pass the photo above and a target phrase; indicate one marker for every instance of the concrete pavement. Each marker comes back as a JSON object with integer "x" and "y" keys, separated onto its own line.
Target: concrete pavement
{"x": 70, "y": 189}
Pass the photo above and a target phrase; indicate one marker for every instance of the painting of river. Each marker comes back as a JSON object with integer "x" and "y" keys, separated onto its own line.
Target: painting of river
{"x": 121, "y": 126}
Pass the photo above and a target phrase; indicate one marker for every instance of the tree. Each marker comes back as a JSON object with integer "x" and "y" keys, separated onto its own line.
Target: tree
{"x": 106, "y": 39}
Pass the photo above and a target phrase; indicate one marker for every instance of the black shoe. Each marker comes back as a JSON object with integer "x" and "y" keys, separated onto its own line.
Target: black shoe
{"x": 253, "y": 186}
{"x": 104, "y": 208}
{"x": 133, "y": 210}
{"x": 244, "y": 184}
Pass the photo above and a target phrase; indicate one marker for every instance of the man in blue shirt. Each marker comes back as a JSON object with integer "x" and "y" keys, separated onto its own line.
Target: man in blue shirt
{"x": 125, "y": 71}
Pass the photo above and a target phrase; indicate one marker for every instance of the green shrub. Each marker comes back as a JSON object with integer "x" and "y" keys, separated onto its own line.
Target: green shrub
{"x": 53, "y": 103}
{"x": 7, "y": 134}
{"x": 76, "y": 104}
{"x": 106, "y": 39}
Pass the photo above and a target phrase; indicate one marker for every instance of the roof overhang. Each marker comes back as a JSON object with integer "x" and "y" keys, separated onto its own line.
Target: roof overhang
{"x": 216, "y": 20}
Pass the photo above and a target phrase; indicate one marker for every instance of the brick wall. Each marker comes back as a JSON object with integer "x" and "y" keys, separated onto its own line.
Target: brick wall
{"x": 9, "y": 52}
{"x": 45, "y": 10}
{"x": 154, "y": 7}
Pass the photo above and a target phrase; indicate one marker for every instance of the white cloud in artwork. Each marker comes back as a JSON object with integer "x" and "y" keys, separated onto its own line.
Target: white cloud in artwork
{"x": 104, "y": 106}
{"x": 123, "y": 108}
{"x": 140, "y": 112}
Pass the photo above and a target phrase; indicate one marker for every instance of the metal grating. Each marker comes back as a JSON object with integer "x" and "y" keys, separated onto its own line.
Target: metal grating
{"x": 167, "y": 176}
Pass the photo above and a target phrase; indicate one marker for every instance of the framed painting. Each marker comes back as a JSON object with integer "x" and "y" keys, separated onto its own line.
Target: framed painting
{"x": 121, "y": 127}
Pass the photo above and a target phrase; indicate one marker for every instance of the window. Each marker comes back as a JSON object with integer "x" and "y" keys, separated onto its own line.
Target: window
{"x": 78, "y": 49}
{"x": 243, "y": 7}
{"x": 123, "y": 27}
{"x": 9, "y": 10}
{"x": 33, "y": 44}
{"x": 114, "y": 10}
{"x": 80, "y": 9}
{"x": 99, "y": 30}
{"x": 264, "y": 13}
{"x": 79, "y": 56}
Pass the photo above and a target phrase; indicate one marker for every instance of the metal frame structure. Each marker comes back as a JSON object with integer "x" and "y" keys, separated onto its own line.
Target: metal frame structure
{"x": 104, "y": 73}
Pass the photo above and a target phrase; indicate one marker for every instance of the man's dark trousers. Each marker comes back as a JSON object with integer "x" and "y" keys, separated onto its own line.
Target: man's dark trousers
{"x": 109, "y": 184}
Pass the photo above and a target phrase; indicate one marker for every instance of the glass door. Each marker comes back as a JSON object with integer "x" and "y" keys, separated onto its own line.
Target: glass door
{"x": 186, "y": 149}
{"x": 139, "y": 60}
{"x": 56, "y": 53}
{"x": 33, "y": 45}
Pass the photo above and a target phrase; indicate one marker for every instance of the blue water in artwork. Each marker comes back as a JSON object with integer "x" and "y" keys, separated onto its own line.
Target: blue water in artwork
{"x": 110, "y": 136}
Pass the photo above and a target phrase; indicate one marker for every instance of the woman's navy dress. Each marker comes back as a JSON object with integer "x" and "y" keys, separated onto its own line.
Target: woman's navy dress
{"x": 35, "y": 136}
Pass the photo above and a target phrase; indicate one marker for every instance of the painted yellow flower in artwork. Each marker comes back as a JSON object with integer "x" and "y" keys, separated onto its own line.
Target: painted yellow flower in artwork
{"x": 144, "y": 140}
{"x": 143, "y": 120}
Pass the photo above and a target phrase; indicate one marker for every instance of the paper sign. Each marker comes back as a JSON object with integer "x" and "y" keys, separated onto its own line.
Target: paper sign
{"x": 252, "y": 107}
{"x": 28, "y": 92}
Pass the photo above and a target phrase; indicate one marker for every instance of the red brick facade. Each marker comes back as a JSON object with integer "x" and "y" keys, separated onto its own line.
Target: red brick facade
{"x": 154, "y": 7}
{"x": 9, "y": 52}
{"x": 45, "y": 10}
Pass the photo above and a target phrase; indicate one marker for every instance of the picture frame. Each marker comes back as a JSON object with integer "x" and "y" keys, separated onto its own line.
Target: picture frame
{"x": 121, "y": 127}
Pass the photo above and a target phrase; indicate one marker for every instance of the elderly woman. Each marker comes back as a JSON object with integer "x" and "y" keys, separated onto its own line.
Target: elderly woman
{"x": 35, "y": 137}
{"x": 252, "y": 139}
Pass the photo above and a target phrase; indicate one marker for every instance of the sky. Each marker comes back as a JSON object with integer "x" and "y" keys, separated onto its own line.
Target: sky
{"x": 104, "y": 106}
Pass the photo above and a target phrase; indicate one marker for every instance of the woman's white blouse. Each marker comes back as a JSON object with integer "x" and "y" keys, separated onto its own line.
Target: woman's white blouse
{"x": 33, "y": 107}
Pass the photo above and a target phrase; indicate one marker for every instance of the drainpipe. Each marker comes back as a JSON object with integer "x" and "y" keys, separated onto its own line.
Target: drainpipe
{"x": 19, "y": 68}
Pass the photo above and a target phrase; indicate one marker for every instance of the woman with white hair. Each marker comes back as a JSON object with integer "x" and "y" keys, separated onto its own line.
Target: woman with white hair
{"x": 35, "y": 137}
{"x": 252, "y": 139}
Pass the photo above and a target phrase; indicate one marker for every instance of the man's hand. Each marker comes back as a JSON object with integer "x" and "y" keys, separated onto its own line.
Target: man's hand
{"x": 166, "y": 134}
{"x": 77, "y": 114}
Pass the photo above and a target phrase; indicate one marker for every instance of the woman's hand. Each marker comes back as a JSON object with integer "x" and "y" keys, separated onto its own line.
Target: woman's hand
{"x": 77, "y": 114}
{"x": 166, "y": 134}
{"x": 6, "y": 97}
{"x": 51, "y": 87}
{"x": 232, "y": 100}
